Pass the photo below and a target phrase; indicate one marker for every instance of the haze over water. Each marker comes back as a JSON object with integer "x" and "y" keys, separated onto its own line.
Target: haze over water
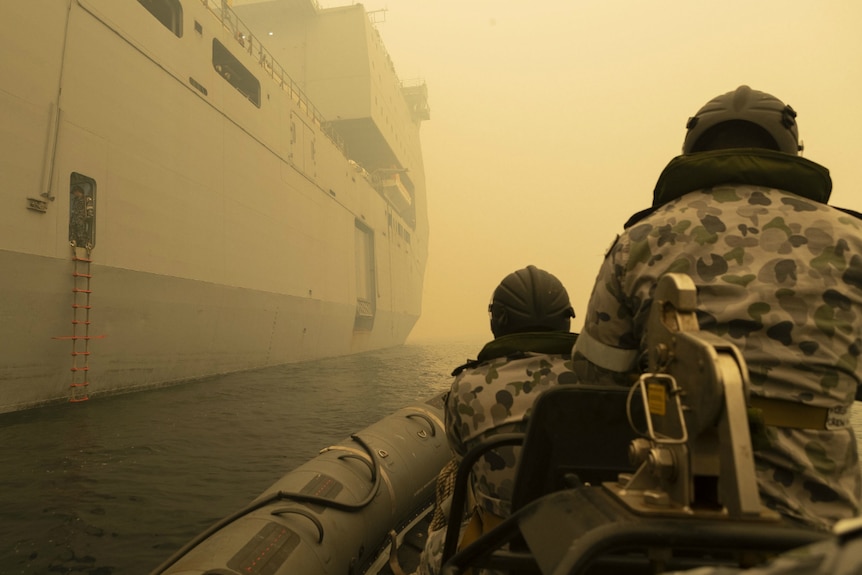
{"x": 114, "y": 485}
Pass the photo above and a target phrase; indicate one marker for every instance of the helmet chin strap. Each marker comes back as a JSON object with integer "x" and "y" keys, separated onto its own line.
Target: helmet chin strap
{"x": 499, "y": 319}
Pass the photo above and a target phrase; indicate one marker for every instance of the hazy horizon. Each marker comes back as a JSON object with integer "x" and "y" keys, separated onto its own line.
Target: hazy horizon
{"x": 551, "y": 122}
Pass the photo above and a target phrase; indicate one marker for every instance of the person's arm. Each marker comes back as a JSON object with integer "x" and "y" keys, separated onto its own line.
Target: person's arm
{"x": 597, "y": 363}
{"x": 452, "y": 415}
{"x": 606, "y": 351}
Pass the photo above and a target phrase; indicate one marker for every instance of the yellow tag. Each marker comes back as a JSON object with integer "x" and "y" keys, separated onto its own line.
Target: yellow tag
{"x": 657, "y": 398}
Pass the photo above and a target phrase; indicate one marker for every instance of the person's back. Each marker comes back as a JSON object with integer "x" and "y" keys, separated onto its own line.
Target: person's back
{"x": 778, "y": 273}
{"x": 530, "y": 317}
{"x": 494, "y": 397}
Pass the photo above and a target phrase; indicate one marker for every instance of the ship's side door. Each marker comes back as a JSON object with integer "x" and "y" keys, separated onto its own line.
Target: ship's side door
{"x": 302, "y": 146}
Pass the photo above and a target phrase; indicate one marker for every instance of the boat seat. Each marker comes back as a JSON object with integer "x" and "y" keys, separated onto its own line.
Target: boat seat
{"x": 552, "y": 458}
{"x": 572, "y": 523}
{"x": 577, "y": 434}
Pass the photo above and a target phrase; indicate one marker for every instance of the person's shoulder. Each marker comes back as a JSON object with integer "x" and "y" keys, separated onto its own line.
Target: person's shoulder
{"x": 853, "y": 213}
{"x": 470, "y": 364}
{"x": 474, "y": 363}
{"x": 516, "y": 347}
{"x": 637, "y": 217}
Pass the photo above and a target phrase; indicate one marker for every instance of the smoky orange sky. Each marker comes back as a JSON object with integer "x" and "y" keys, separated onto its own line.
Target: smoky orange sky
{"x": 551, "y": 121}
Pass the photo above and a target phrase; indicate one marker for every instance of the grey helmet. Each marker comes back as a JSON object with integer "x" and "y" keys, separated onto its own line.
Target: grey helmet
{"x": 747, "y": 109}
{"x": 530, "y": 299}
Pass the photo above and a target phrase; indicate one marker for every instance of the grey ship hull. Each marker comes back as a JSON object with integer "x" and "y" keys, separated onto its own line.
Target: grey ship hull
{"x": 230, "y": 234}
{"x": 201, "y": 329}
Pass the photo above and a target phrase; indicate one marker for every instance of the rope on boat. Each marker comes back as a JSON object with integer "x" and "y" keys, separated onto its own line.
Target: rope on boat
{"x": 444, "y": 487}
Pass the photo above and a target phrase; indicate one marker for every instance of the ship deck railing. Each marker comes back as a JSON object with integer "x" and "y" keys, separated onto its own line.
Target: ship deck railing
{"x": 243, "y": 36}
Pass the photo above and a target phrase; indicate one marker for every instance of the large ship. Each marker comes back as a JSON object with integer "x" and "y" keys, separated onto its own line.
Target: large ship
{"x": 197, "y": 187}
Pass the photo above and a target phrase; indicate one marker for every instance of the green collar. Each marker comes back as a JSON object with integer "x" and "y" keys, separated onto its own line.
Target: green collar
{"x": 515, "y": 344}
{"x": 753, "y": 166}
{"x": 550, "y": 342}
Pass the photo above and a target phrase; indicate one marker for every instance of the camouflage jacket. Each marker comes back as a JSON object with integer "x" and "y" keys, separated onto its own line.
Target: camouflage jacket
{"x": 493, "y": 395}
{"x": 778, "y": 275}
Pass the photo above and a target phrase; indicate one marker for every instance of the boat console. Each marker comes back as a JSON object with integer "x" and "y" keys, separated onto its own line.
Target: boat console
{"x": 654, "y": 478}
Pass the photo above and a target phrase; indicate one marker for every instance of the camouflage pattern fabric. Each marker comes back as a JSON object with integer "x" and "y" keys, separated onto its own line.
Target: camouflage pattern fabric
{"x": 494, "y": 398}
{"x": 839, "y": 555}
{"x": 431, "y": 559}
{"x": 804, "y": 561}
{"x": 780, "y": 276}
{"x": 432, "y": 555}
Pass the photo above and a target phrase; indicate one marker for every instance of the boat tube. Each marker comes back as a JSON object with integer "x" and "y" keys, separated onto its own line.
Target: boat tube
{"x": 335, "y": 513}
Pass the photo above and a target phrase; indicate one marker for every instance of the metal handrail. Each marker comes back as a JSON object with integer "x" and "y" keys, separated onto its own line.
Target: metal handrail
{"x": 247, "y": 41}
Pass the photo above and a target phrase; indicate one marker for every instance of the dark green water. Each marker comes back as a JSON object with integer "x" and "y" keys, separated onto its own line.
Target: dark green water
{"x": 116, "y": 484}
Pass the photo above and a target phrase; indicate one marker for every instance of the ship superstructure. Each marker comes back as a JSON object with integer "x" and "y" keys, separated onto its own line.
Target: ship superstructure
{"x": 196, "y": 187}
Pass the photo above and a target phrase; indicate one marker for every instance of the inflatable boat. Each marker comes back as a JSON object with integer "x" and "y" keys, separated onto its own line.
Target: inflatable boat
{"x": 344, "y": 511}
{"x": 655, "y": 478}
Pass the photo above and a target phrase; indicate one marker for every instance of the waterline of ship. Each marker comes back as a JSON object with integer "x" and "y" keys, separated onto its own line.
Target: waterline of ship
{"x": 196, "y": 188}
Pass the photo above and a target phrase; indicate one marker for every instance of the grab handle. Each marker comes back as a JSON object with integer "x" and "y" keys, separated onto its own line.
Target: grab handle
{"x": 422, "y": 433}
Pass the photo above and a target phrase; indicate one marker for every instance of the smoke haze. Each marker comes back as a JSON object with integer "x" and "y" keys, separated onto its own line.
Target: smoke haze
{"x": 551, "y": 121}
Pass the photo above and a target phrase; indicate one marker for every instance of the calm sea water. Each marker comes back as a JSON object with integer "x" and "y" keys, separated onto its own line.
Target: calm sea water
{"x": 116, "y": 484}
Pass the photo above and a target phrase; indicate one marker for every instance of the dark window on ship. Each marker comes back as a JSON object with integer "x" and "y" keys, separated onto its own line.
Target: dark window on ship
{"x": 235, "y": 73}
{"x": 82, "y": 211}
{"x": 168, "y": 12}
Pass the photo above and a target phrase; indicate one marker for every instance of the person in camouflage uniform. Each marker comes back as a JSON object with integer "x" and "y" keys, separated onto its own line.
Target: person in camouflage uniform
{"x": 778, "y": 273}
{"x": 838, "y": 555}
{"x": 531, "y": 351}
